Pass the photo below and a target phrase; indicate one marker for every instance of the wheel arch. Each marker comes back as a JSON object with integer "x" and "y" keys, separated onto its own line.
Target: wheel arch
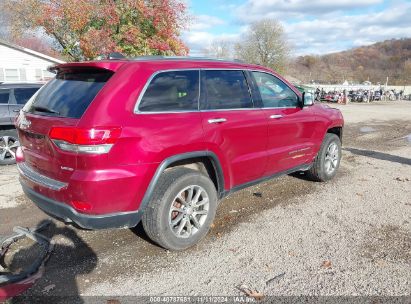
{"x": 337, "y": 130}
{"x": 207, "y": 160}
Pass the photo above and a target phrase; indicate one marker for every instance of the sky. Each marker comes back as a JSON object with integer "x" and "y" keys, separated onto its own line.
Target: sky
{"x": 311, "y": 27}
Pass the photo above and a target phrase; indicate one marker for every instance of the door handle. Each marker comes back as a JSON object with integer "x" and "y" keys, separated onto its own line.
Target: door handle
{"x": 216, "y": 120}
{"x": 16, "y": 111}
{"x": 276, "y": 116}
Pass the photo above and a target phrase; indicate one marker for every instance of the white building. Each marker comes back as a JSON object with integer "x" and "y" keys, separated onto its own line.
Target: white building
{"x": 18, "y": 64}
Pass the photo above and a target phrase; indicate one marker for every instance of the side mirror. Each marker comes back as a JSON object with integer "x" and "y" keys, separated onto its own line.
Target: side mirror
{"x": 308, "y": 99}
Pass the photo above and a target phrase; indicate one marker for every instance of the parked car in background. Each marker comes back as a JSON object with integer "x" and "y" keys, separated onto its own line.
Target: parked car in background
{"x": 13, "y": 96}
{"x": 107, "y": 144}
{"x": 377, "y": 95}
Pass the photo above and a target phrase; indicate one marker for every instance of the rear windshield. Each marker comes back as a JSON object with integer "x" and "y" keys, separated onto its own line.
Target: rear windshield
{"x": 69, "y": 94}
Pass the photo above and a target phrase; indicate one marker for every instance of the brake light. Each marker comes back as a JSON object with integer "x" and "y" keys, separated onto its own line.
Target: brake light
{"x": 95, "y": 140}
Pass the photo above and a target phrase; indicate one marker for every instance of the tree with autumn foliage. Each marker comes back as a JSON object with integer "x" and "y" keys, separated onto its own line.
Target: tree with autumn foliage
{"x": 86, "y": 29}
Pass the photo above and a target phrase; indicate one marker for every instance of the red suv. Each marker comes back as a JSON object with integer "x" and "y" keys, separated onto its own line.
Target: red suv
{"x": 108, "y": 144}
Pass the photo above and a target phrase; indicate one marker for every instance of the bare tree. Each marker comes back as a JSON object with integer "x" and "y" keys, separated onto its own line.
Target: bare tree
{"x": 264, "y": 43}
{"x": 220, "y": 48}
{"x": 407, "y": 71}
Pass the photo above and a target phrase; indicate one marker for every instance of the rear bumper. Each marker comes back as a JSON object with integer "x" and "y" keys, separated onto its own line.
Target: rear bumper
{"x": 67, "y": 214}
{"x": 92, "y": 193}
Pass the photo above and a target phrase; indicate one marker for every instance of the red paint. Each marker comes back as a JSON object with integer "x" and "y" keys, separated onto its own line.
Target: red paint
{"x": 249, "y": 145}
{"x": 14, "y": 289}
{"x": 10, "y": 291}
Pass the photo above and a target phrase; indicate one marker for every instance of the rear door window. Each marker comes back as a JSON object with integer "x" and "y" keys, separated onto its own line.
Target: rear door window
{"x": 69, "y": 94}
{"x": 172, "y": 91}
{"x": 225, "y": 90}
{"x": 22, "y": 95}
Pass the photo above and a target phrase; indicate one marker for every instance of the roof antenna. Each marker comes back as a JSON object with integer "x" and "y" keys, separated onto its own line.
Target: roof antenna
{"x": 115, "y": 55}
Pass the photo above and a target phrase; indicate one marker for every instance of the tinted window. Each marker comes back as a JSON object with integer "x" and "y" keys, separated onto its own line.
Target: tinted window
{"x": 23, "y": 95}
{"x": 69, "y": 94}
{"x": 4, "y": 96}
{"x": 274, "y": 92}
{"x": 172, "y": 91}
{"x": 225, "y": 90}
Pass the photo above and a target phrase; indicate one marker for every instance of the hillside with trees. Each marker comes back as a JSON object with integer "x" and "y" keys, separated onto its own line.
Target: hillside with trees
{"x": 390, "y": 58}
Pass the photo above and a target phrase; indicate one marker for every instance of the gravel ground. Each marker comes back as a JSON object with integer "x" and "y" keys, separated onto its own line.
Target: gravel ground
{"x": 9, "y": 187}
{"x": 347, "y": 237}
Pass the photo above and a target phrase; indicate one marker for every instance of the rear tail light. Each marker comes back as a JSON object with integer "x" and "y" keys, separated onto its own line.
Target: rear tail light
{"x": 92, "y": 141}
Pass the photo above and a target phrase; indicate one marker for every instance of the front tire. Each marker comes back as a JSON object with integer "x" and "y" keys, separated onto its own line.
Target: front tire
{"x": 9, "y": 142}
{"x": 328, "y": 159}
{"x": 181, "y": 210}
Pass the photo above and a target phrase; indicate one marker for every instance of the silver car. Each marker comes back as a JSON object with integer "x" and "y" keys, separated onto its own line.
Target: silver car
{"x": 13, "y": 96}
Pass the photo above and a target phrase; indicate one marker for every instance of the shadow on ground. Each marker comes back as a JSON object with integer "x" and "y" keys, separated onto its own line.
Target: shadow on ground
{"x": 70, "y": 258}
{"x": 139, "y": 232}
{"x": 380, "y": 156}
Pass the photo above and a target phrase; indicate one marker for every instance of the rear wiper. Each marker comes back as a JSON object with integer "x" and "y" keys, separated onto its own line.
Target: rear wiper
{"x": 45, "y": 109}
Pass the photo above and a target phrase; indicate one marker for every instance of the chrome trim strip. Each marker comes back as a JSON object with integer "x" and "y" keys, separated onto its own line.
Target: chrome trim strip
{"x": 273, "y": 108}
{"x": 227, "y": 110}
{"x": 40, "y": 179}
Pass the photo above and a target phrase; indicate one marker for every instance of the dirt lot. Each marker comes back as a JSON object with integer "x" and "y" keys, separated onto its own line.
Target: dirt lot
{"x": 290, "y": 236}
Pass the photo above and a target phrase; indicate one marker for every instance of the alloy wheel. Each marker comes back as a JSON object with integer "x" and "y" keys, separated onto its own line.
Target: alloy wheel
{"x": 8, "y": 147}
{"x": 188, "y": 212}
{"x": 331, "y": 158}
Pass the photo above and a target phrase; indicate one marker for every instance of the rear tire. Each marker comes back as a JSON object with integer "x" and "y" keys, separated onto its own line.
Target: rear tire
{"x": 181, "y": 210}
{"x": 328, "y": 159}
{"x": 9, "y": 142}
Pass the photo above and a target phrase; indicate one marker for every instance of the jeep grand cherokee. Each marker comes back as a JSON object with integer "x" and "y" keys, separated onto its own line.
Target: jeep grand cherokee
{"x": 107, "y": 144}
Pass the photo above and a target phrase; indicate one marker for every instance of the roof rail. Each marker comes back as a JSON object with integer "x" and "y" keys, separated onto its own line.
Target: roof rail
{"x": 143, "y": 58}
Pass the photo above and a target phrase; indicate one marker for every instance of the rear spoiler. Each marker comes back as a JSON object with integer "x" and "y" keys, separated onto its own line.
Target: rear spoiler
{"x": 111, "y": 65}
